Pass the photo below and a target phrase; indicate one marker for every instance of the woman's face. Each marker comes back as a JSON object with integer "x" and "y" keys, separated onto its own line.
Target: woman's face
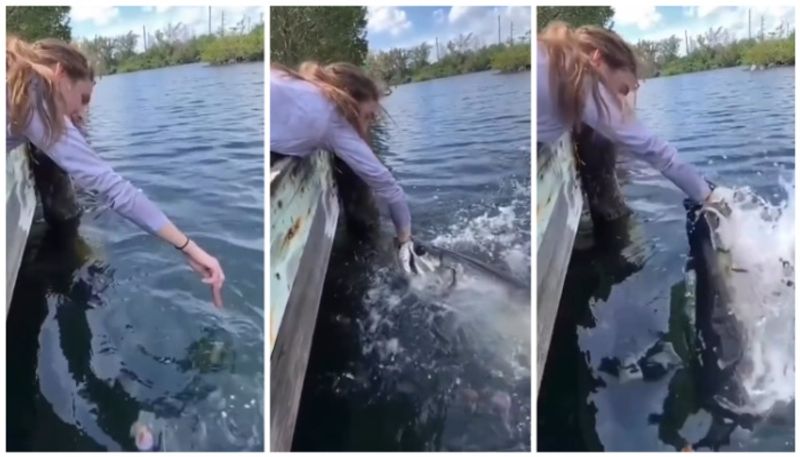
{"x": 621, "y": 81}
{"x": 76, "y": 95}
{"x": 369, "y": 111}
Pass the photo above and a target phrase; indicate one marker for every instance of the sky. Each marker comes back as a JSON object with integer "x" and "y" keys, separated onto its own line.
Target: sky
{"x": 403, "y": 27}
{"x": 89, "y": 21}
{"x": 635, "y": 22}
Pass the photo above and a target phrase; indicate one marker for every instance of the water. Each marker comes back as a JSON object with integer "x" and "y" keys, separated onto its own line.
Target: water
{"x": 390, "y": 370}
{"x": 113, "y": 323}
{"x": 623, "y": 299}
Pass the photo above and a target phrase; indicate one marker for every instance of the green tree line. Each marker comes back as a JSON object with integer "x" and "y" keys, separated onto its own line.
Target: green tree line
{"x": 460, "y": 55}
{"x": 331, "y": 34}
{"x": 717, "y": 48}
{"x": 172, "y": 45}
{"x": 322, "y": 33}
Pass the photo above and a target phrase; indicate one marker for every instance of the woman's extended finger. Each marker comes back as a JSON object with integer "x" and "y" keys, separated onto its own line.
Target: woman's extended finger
{"x": 216, "y": 292}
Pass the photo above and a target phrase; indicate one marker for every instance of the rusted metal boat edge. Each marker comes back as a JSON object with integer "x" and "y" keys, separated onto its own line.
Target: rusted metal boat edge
{"x": 558, "y": 212}
{"x": 20, "y": 208}
{"x": 304, "y": 212}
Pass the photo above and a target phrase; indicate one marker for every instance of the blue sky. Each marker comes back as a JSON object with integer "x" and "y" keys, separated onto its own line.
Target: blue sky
{"x": 88, "y": 21}
{"x": 391, "y": 26}
{"x": 635, "y": 22}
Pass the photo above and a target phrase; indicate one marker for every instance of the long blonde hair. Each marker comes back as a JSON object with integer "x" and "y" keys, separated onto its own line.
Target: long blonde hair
{"x": 28, "y": 64}
{"x": 571, "y": 68}
{"x": 344, "y": 84}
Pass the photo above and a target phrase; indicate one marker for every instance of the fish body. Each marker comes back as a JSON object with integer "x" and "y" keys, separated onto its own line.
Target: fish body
{"x": 720, "y": 335}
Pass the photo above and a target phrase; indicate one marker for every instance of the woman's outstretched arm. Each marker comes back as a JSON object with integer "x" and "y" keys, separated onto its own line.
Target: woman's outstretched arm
{"x": 75, "y": 156}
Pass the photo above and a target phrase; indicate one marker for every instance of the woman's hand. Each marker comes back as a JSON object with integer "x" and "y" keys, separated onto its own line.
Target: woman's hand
{"x": 208, "y": 267}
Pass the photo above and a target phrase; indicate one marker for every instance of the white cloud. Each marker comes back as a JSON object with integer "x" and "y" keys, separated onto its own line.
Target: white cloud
{"x": 389, "y": 19}
{"x": 438, "y": 16}
{"x": 480, "y": 22}
{"x": 707, "y": 10}
{"x": 460, "y": 13}
{"x": 642, "y": 16}
{"x": 701, "y": 11}
{"x": 99, "y": 15}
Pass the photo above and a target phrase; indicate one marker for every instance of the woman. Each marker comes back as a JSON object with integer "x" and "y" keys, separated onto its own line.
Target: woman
{"x": 48, "y": 84}
{"x": 332, "y": 107}
{"x": 584, "y": 76}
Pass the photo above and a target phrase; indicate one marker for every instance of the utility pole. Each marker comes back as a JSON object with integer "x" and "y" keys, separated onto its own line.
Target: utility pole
{"x": 209, "y": 21}
{"x": 144, "y": 37}
{"x": 686, "y": 34}
{"x": 511, "y": 34}
{"x": 762, "y": 27}
{"x": 749, "y": 33}
{"x": 499, "y": 40}
{"x": 437, "y": 48}
{"x": 222, "y": 25}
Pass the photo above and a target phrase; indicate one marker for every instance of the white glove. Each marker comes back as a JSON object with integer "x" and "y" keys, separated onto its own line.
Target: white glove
{"x": 405, "y": 255}
{"x": 415, "y": 261}
{"x": 717, "y": 203}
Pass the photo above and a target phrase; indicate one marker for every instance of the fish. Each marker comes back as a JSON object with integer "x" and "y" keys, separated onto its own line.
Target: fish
{"x": 479, "y": 308}
{"x": 720, "y": 336}
{"x": 443, "y": 271}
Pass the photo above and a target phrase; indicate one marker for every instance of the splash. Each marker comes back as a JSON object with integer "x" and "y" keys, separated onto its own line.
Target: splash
{"x": 465, "y": 353}
{"x": 759, "y": 237}
{"x": 500, "y": 233}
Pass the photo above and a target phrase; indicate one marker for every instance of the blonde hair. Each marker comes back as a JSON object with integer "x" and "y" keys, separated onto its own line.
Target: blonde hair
{"x": 571, "y": 68}
{"x": 344, "y": 84}
{"x": 28, "y": 64}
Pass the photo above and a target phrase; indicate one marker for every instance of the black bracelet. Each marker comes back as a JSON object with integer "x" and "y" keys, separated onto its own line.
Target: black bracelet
{"x": 184, "y": 245}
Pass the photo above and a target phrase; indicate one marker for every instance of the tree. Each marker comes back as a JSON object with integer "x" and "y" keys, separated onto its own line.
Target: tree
{"x": 419, "y": 55}
{"x": 668, "y": 50}
{"x": 322, "y": 33}
{"x": 575, "y": 16}
{"x": 647, "y": 52}
{"x": 125, "y": 46}
{"x": 36, "y": 22}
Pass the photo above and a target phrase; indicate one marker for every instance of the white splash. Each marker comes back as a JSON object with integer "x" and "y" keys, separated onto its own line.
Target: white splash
{"x": 760, "y": 239}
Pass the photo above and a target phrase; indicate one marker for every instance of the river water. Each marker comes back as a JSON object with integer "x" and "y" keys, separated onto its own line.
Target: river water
{"x": 390, "y": 371}
{"x": 620, "y": 301}
{"x": 113, "y": 323}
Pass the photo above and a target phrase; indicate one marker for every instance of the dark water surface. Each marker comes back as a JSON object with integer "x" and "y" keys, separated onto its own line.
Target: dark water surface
{"x": 112, "y": 322}
{"x": 621, "y": 298}
{"x": 390, "y": 371}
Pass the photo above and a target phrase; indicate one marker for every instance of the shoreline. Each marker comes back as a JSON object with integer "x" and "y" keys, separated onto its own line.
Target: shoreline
{"x": 742, "y": 67}
{"x": 492, "y": 70}
{"x": 210, "y": 64}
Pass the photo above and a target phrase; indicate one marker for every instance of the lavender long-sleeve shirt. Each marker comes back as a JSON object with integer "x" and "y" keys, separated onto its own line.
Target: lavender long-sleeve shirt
{"x": 626, "y": 132}
{"x": 75, "y": 156}
{"x": 303, "y": 120}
